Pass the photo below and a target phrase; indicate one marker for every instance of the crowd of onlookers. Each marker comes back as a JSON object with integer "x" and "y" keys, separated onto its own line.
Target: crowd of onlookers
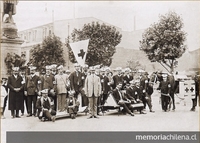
{"x": 57, "y": 90}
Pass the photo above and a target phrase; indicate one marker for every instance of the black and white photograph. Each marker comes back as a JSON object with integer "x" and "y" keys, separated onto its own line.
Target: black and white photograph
{"x": 100, "y": 66}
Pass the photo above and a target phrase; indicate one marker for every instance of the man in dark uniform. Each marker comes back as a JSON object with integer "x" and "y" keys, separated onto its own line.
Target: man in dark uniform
{"x": 164, "y": 86}
{"x": 23, "y": 75}
{"x": 32, "y": 88}
{"x": 146, "y": 99}
{"x": 127, "y": 78}
{"x": 194, "y": 101}
{"x": 76, "y": 81}
{"x": 105, "y": 85}
{"x": 118, "y": 77}
{"x": 84, "y": 75}
{"x": 16, "y": 87}
{"x": 53, "y": 69}
{"x": 48, "y": 82}
{"x": 172, "y": 90}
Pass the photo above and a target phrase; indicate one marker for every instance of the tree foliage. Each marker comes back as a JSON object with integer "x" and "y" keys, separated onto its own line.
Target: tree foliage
{"x": 47, "y": 53}
{"x": 101, "y": 48}
{"x": 163, "y": 42}
{"x": 14, "y": 60}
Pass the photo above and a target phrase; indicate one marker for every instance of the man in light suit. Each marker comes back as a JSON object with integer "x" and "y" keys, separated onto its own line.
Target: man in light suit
{"x": 93, "y": 91}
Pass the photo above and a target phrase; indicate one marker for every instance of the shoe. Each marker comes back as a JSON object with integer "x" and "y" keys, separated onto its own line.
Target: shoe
{"x": 132, "y": 114}
{"x": 13, "y": 117}
{"x": 18, "y": 117}
{"x": 2, "y": 117}
{"x": 43, "y": 119}
{"x": 142, "y": 112}
{"x": 53, "y": 118}
{"x": 152, "y": 111}
{"x": 22, "y": 114}
{"x": 96, "y": 117}
{"x": 29, "y": 115}
{"x": 99, "y": 114}
{"x": 192, "y": 109}
{"x": 90, "y": 117}
{"x": 72, "y": 116}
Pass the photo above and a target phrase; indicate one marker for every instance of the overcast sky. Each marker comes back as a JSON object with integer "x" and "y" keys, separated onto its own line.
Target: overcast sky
{"x": 121, "y": 14}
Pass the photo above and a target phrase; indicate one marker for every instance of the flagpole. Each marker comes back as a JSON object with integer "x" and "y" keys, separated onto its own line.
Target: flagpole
{"x": 68, "y": 48}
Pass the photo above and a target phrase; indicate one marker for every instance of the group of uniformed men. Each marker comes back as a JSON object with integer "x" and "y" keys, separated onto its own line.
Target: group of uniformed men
{"x": 57, "y": 90}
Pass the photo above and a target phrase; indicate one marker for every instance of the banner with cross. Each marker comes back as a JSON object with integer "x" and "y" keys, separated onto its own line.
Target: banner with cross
{"x": 187, "y": 88}
{"x": 80, "y": 50}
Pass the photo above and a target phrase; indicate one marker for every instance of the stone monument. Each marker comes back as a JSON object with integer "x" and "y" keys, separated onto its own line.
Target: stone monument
{"x": 10, "y": 42}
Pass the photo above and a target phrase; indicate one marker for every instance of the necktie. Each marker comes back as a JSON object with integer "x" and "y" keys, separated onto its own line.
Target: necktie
{"x": 93, "y": 82}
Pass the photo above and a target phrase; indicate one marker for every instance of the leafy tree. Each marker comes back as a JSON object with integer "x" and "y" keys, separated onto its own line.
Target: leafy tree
{"x": 135, "y": 65}
{"x": 163, "y": 42}
{"x": 47, "y": 53}
{"x": 101, "y": 48}
{"x": 14, "y": 60}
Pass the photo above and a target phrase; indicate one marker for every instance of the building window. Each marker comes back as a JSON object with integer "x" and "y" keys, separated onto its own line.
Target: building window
{"x": 29, "y": 36}
{"x": 49, "y": 32}
{"x": 35, "y": 35}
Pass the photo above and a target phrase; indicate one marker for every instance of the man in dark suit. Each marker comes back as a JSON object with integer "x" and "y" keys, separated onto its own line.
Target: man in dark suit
{"x": 146, "y": 99}
{"x": 172, "y": 90}
{"x": 32, "y": 88}
{"x": 76, "y": 80}
{"x": 15, "y": 84}
{"x": 127, "y": 77}
{"x": 23, "y": 75}
{"x": 105, "y": 85}
{"x": 119, "y": 98}
{"x": 118, "y": 77}
{"x": 48, "y": 82}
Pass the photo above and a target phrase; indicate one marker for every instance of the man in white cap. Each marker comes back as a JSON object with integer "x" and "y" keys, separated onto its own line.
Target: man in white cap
{"x": 45, "y": 107}
{"x": 93, "y": 91}
{"x": 53, "y": 69}
{"x": 76, "y": 81}
{"x": 31, "y": 90}
{"x": 15, "y": 84}
{"x": 62, "y": 83}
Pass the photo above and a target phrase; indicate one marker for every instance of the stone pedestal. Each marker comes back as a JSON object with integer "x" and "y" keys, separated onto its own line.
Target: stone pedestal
{"x": 10, "y": 43}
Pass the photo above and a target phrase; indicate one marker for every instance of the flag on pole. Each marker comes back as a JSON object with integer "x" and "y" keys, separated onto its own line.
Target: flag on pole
{"x": 80, "y": 50}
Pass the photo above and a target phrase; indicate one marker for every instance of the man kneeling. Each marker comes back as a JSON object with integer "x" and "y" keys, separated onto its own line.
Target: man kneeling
{"x": 45, "y": 107}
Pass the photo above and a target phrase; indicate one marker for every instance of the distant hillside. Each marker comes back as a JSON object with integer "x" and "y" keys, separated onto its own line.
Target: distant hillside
{"x": 130, "y": 40}
{"x": 189, "y": 60}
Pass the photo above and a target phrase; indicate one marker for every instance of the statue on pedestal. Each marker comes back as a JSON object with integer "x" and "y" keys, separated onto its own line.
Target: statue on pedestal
{"x": 9, "y": 7}
{"x": 8, "y": 27}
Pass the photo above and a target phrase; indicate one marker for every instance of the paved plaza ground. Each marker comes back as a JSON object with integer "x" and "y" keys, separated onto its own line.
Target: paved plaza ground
{"x": 182, "y": 119}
